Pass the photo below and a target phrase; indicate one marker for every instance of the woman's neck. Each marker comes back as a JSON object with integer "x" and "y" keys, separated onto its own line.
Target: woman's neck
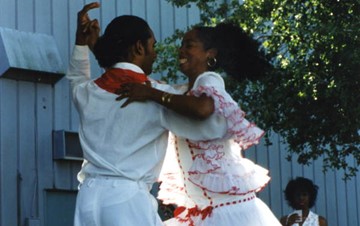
{"x": 192, "y": 78}
{"x": 305, "y": 212}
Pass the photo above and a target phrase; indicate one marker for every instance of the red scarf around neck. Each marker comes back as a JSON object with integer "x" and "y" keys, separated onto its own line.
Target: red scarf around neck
{"x": 113, "y": 78}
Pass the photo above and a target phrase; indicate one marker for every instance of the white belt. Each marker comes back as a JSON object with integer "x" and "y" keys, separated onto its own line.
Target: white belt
{"x": 113, "y": 181}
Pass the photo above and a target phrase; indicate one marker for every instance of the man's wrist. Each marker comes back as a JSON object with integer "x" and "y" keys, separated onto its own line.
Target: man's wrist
{"x": 80, "y": 43}
{"x": 79, "y": 40}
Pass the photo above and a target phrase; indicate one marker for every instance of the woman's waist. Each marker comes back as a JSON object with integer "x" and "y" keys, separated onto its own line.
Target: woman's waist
{"x": 205, "y": 206}
{"x": 204, "y": 198}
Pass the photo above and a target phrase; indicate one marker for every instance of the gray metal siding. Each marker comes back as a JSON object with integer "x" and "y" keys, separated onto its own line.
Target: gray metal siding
{"x": 338, "y": 200}
{"x": 29, "y": 112}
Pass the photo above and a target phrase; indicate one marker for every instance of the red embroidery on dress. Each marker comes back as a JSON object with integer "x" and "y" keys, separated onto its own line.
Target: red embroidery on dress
{"x": 208, "y": 152}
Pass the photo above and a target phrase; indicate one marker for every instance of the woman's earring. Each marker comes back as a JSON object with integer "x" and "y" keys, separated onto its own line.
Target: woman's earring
{"x": 211, "y": 62}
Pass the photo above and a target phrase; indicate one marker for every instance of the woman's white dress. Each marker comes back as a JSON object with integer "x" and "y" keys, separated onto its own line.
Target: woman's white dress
{"x": 209, "y": 181}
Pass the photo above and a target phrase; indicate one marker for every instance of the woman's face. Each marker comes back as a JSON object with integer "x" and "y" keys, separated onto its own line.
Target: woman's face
{"x": 301, "y": 199}
{"x": 192, "y": 56}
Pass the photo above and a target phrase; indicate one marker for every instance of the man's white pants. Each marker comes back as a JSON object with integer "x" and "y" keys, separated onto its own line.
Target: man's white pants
{"x": 113, "y": 201}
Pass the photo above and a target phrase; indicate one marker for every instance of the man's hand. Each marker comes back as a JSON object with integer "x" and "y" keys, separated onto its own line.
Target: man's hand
{"x": 294, "y": 218}
{"x": 88, "y": 30}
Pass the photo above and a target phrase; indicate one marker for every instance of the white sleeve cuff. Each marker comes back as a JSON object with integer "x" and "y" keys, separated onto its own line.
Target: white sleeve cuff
{"x": 81, "y": 52}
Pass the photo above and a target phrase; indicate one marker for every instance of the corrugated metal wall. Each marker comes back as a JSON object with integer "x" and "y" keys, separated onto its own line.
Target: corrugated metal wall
{"x": 30, "y": 112}
{"x": 338, "y": 201}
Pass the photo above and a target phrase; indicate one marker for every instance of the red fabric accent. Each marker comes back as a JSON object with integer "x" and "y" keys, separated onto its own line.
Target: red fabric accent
{"x": 113, "y": 78}
{"x": 206, "y": 212}
{"x": 179, "y": 210}
{"x": 195, "y": 211}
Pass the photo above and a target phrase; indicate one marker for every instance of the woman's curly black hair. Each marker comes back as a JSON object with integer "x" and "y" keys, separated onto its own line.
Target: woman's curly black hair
{"x": 300, "y": 184}
{"x": 238, "y": 53}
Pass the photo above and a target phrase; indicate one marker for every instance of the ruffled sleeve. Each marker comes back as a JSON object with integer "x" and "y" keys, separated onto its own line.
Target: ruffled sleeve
{"x": 241, "y": 130}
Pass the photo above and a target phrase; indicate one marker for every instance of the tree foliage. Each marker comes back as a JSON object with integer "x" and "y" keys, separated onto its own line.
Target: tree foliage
{"x": 312, "y": 97}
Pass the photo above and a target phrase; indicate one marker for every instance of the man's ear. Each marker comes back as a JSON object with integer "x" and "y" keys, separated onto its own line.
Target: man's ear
{"x": 139, "y": 48}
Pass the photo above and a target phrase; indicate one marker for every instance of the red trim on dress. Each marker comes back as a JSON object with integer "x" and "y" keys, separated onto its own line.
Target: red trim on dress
{"x": 204, "y": 213}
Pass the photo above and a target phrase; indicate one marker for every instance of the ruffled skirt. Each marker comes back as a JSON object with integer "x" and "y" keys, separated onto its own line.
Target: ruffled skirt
{"x": 212, "y": 185}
